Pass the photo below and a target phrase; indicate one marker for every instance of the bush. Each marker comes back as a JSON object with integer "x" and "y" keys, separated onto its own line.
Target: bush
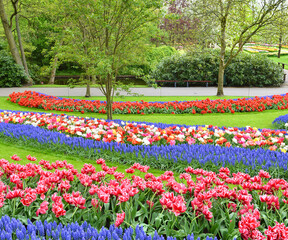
{"x": 245, "y": 69}
{"x": 11, "y": 74}
{"x": 253, "y": 70}
{"x": 187, "y": 67}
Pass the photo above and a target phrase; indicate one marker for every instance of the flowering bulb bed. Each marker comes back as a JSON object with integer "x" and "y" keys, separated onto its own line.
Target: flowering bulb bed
{"x": 149, "y": 134}
{"x": 173, "y": 157}
{"x": 222, "y": 204}
{"x": 10, "y": 227}
{"x": 39, "y": 100}
{"x": 281, "y": 122}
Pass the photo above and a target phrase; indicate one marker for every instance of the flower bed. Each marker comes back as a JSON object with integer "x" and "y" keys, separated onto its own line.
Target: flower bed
{"x": 269, "y": 49}
{"x": 150, "y": 134}
{"x": 251, "y": 50}
{"x": 42, "y": 101}
{"x": 281, "y": 122}
{"x": 10, "y": 227}
{"x": 220, "y": 204}
{"x": 163, "y": 157}
{"x": 160, "y": 155}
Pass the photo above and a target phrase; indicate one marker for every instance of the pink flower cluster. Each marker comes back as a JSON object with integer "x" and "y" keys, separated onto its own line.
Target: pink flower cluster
{"x": 195, "y": 191}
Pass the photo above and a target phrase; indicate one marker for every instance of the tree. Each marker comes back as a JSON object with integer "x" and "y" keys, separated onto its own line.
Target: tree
{"x": 277, "y": 31}
{"x": 47, "y": 34}
{"x": 7, "y": 25}
{"x": 104, "y": 35}
{"x": 9, "y": 35}
{"x": 15, "y": 4}
{"x": 233, "y": 28}
{"x": 178, "y": 28}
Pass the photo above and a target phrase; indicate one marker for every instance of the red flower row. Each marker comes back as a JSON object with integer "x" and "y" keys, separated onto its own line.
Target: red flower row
{"x": 38, "y": 100}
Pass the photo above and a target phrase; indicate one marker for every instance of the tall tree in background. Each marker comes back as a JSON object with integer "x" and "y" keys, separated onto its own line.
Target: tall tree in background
{"x": 177, "y": 28}
{"x": 279, "y": 28}
{"x": 104, "y": 35}
{"x": 9, "y": 35}
{"x": 7, "y": 25}
{"x": 49, "y": 23}
{"x": 16, "y": 8}
{"x": 234, "y": 28}
{"x": 277, "y": 32}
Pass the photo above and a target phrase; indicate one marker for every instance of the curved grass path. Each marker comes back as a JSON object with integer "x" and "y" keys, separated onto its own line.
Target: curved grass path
{"x": 8, "y": 149}
{"x": 254, "y": 119}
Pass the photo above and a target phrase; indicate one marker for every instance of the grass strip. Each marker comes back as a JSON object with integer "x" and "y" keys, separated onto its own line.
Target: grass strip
{"x": 8, "y": 147}
{"x": 254, "y": 119}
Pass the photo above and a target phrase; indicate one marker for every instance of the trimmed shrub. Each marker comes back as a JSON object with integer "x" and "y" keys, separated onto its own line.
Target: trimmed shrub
{"x": 253, "y": 70}
{"x": 11, "y": 74}
{"x": 187, "y": 67}
{"x": 245, "y": 69}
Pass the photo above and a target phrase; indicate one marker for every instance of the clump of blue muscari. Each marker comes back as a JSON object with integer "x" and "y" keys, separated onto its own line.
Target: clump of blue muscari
{"x": 281, "y": 120}
{"x": 9, "y": 227}
{"x": 182, "y": 152}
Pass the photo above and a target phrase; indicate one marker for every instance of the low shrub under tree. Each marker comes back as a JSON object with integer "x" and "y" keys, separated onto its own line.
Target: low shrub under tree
{"x": 246, "y": 70}
{"x": 11, "y": 74}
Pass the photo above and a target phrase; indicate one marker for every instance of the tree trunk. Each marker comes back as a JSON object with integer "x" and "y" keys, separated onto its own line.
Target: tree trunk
{"x": 241, "y": 45}
{"x": 54, "y": 69}
{"x": 88, "y": 92}
{"x": 93, "y": 79}
{"x": 9, "y": 35}
{"x": 220, "y": 91}
{"x": 109, "y": 107}
{"x": 109, "y": 97}
{"x": 30, "y": 80}
{"x": 280, "y": 46}
{"x": 20, "y": 44}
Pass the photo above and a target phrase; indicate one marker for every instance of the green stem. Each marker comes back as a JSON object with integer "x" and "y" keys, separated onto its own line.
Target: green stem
{"x": 127, "y": 223}
{"x": 74, "y": 212}
{"x": 174, "y": 222}
{"x": 150, "y": 208}
{"x": 14, "y": 206}
{"x": 279, "y": 215}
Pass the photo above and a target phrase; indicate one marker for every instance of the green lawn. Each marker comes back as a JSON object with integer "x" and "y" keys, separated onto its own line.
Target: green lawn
{"x": 255, "y": 119}
{"x": 7, "y": 150}
{"x": 282, "y": 59}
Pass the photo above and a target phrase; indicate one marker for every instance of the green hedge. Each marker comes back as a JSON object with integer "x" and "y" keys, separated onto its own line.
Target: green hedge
{"x": 245, "y": 69}
{"x": 11, "y": 74}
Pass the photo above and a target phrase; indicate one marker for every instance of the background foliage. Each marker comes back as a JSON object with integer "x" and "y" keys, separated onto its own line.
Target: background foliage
{"x": 245, "y": 69}
{"x": 11, "y": 74}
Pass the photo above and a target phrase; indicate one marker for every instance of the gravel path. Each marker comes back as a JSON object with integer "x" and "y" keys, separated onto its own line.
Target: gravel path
{"x": 164, "y": 91}
{"x": 192, "y": 91}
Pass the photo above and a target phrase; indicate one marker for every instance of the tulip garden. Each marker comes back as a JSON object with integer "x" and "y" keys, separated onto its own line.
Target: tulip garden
{"x": 47, "y": 102}
{"x": 215, "y": 182}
